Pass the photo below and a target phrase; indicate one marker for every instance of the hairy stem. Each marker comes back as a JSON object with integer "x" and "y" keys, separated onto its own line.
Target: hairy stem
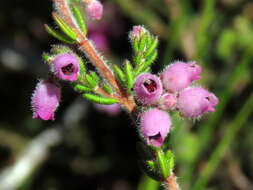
{"x": 171, "y": 183}
{"x": 92, "y": 54}
{"x": 105, "y": 71}
{"x": 90, "y": 51}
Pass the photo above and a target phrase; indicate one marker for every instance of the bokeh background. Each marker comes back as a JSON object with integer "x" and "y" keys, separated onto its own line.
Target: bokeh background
{"x": 88, "y": 148}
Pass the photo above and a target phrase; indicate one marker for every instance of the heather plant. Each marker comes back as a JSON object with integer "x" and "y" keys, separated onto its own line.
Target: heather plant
{"x": 150, "y": 99}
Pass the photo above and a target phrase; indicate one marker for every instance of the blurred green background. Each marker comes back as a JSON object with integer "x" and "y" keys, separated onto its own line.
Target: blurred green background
{"x": 85, "y": 148}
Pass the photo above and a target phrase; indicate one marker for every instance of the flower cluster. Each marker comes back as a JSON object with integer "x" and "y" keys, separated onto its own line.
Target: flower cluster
{"x": 171, "y": 91}
{"x": 129, "y": 85}
{"x": 46, "y": 97}
{"x": 94, "y": 9}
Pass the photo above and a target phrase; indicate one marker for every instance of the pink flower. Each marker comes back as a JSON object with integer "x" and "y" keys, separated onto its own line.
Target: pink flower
{"x": 66, "y": 66}
{"x": 45, "y": 100}
{"x": 94, "y": 9}
{"x": 180, "y": 75}
{"x": 195, "y": 101}
{"x": 155, "y": 124}
{"x": 168, "y": 101}
{"x": 147, "y": 88}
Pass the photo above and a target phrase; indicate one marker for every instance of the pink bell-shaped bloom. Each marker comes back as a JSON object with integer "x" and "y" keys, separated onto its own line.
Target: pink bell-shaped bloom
{"x": 195, "y": 101}
{"x": 194, "y": 70}
{"x": 147, "y": 88}
{"x": 66, "y": 66}
{"x": 168, "y": 101}
{"x": 94, "y": 9}
{"x": 180, "y": 75}
{"x": 155, "y": 124}
{"x": 45, "y": 100}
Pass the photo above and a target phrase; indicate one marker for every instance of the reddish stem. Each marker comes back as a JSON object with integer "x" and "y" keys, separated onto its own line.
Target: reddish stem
{"x": 171, "y": 182}
{"x": 94, "y": 57}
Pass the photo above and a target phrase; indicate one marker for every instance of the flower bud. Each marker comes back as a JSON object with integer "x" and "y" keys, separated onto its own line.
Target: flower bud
{"x": 45, "y": 100}
{"x": 137, "y": 32}
{"x": 195, "y": 101}
{"x": 154, "y": 126}
{"x": 94, "y": 9}
{"x": 180, "y": 75}
{"x": 147, "y": 88}
{"x": 66, "y": 66}
{"x": 168, "y": 101}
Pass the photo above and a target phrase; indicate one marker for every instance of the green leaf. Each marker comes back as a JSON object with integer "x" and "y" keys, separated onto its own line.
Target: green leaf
{"x": 141, "y": 68}
{"x": 170, "y": 160}
{"x": 138, "y": 58}
{"x": 94, "y": 76}
{"x": 59, "y": 49}
{"x": 149, "y": 39}
{"x": 142, "y": 43}
{"x": 119, "y": 73}
{"x": 147, "y": 70}
{"x": 99, "y": 100}
{"x": 81, "y": 88}
{"x": 64, "y": 27}
{"x": 152, "y": 47}
{"x": 74, "y": 1}
{"x": 46, "y": 57}
{"x": 90, "y": 81}
{"x": 107, "y": 88}
{"x": 149, "y": 60}
{"x": 129, "y": 76}
{"x": 151, "y": 164}
{"x": 82, "y": 66}
{"x": 79, "y": 18}
{"x": 145, "y": 161}
{"x": 135, "y": 45}
{"x": 163, "y": 165}
{"x": 58, "y": 36}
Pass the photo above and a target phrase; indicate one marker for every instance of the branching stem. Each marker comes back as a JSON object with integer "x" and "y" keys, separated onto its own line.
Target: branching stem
{"x": 171, "y": 183}
{"x": 87, "y": 47}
